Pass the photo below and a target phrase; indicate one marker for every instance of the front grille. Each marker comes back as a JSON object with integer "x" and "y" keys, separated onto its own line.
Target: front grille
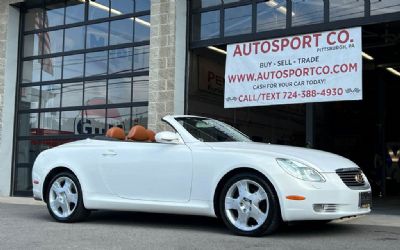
{"x": 353, "y": 178}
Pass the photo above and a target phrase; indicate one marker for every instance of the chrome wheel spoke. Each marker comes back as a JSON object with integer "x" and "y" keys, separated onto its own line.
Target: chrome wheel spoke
{"x": 63, "y": 197}
{"x": 257, "y": 214}
{"x": 65, "y": 208}
{"x": 242, "y": 220}
{"x": 243, "y": 188}
{"x": 258, "y": 196}
{"x": 56, "y": 188}
{"x": 231, "y": 203}
{"x": 72, "y": 198}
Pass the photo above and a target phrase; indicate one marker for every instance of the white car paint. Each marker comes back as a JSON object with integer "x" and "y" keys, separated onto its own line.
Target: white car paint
{"x": 182, "y": 177}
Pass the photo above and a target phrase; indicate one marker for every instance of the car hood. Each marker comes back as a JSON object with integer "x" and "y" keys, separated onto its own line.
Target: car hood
{"x": 321, "y": 160}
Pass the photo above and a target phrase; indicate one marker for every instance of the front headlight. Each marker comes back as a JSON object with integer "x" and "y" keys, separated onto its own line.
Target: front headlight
{"x": 300, "y": 170}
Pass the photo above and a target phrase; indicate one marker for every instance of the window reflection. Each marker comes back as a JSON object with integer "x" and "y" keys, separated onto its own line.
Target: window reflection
{"x": 208, "y": 23}
{"x": 49, "y": 123}
{"x": 119, "y": 90}
{"x": 142, "y": 5}
{"x": 307, "y": 12}
{"x": 122, "y": 7}
{"x": 50, "y": 96}
{"x": 93, "y": 122}
{"x": 345, "y": 9}
{"x": 32, "y": 45}
{"x": 271, "y": 15}
{"x": 74, "y": 38}
{"x": 72, "y": 94}
{"x": 54, "y": 15}
{"x": 97, "y": 35}
{"x": 33, "y": 19}
{"x": 120, "y": 61}
{"x": 139, "y": 116}
{"x": 70, "y": 121}
{"x": 121, "y": 31}
{"x": 51, "y": 69}
{"x": 142, "y": 28}
{"x": 379, "y": 7}
{"x": 74, "y": 12}
{"x": 73, "y": 66}
{"x": 95, "y": 93}
{"x": 29, "y": 97}
{"x": 96, "y": 63}
{"x": 31, "y": 71}
{"x": 140, "y": 89}
{"x": 28, "y": 124}
{"x": 99, "y": 9}
{"x": 119, "y": 117}
{"x": 141, "y": 58}
{"x": 238, "y": 20}
{"x": 53, "y": 42}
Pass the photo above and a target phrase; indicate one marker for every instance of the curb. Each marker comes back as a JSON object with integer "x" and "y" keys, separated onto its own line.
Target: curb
{"x": 21, "y": 201}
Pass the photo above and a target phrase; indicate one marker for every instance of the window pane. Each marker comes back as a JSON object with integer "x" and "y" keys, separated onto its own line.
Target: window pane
{"x": 28, "y": 124}
{"x": 142, "y": 5}
{"x": 53, "y": 42}
{"x": 119, "y": 117}
{"x": 344, "y": 9}
{"x": 32, "y": 45}
{"x": 49, "y": 123}
{"x": 121, "y": 31}
{"x": 99, "y": 9}
{"x": 94, "y": 122}
{"x": 54, "y": 15}
{"x": 96, "y": 63}
{"x": 206, "y": 25}
{"x": 95, "y": 93}
{"x": 120, "y": 61}
{"x": 140, "y": 89}
{"x": 121, "y": 7}
{"x": 74, "y": 38}
{"x": 142, "y": 28}
{"x": 70, "y": 121}
{"x": 379, "y": 7}
{"x": 271, "y": 15}
{"x": 72, "y": 94}
{"x": 50, "y": 96}
{"x": 307, "y": 12}
{"x": 139, "y": 116}
{"x": 74, "y": 12}
{"x": 141, "y": 58}
{"x": 29, "y": 98}
{"x": 97, "y": 35}
{"x": 205, "y": 3}
{"x": 31, "y": 71}
{"x": 119, "y": 90}
{"x": 51, "y": 69}
{"x": 33, "y": 19}
{"x": 73, "y": 66}
{"x": 238, "y": 20}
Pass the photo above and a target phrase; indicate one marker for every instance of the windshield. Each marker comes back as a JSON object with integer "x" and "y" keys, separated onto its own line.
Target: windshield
{"x": 210, "y": 130}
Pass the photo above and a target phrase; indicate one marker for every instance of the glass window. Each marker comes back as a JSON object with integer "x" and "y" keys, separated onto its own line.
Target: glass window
{"x": 119, "y": 90}
{"x": 69, "y": 121}
{"x": 33, "y": 44}
{"x": 49, "y": 123}
{"x": 139, "y": 116}
{"x": 95, "y": 93}
{"x": 271, "y": 15}
{"x": 141, "y": 58}
{"x": 31, "y": 71}
{"x": 307, "y": 12}
{"x": 50, "y": 96}
{"x": 54, "y": 15}
{"x": 379, "y": 7}
{"x": 142, "y": 28}
{"x": 28, "y": 124}
{"x": 121, "y": 31}
{"x": 99, "y": 9}
{"x": 29, "y": 97}
{"x": 142, "y": 5}
{"x": 94, "y": 122}
{"x": 205, "y": 3}
{"x": 73, "y": 66}
{"x": 51, "y": 69}
{"x": 74, "y": 38}
{"x": 120, "y": 61}
{"x": 96, "y": 63}
{"x": 140, "y": 89}
{"x": 33, "y": 19}
{"x": 74, "y": 12}
{"x": 119, "y": 117}
{"x": 345, "y": 9}
{"x": 206, "y": 25}
{"x": 238, "y": 20}
{"x": 97, "y": 35}
{"x": 72, "y": 94}
{"x": 53, "y": 42}
{"x": 122, "y": 7}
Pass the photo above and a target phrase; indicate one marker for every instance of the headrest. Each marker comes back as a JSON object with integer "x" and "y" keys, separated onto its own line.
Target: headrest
{"x": 137, "y": 133}
{"x": 116, "y": 132}
{"x": 151, "y": 135}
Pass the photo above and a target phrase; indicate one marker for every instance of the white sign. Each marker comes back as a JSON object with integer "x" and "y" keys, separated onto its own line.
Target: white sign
{"x": 316, "y": 67}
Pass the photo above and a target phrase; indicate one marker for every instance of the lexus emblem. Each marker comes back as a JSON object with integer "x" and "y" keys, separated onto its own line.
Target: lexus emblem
{"x": 359, "y": 178}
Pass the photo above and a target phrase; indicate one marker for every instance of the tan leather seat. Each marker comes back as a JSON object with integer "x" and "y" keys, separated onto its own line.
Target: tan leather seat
{"x": 151, "y": 135}
{"x": 137, "y": 133}
{"x": 116, "y": 132}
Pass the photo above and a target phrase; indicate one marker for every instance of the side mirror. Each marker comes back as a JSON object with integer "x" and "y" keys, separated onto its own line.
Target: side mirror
{"x": 167, "y": 137}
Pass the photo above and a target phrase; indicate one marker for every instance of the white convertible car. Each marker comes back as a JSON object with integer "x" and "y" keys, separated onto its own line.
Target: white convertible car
{"x": 205, "y": 167}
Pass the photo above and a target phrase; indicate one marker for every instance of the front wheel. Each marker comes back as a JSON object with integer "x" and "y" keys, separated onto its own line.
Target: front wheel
{"x": 64, "y": 198}
{"x": 249, "y": 206}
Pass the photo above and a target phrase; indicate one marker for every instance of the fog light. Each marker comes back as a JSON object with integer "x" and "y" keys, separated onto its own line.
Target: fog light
{"x": 325, "y": 208}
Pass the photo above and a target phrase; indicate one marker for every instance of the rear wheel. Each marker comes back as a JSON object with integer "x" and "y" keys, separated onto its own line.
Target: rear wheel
{"x": 64, "y": 198}
{"x": 249, "y": 206}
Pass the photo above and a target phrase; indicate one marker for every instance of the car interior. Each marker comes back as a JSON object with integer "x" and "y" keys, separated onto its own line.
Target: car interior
{"x": 137, "y": 133}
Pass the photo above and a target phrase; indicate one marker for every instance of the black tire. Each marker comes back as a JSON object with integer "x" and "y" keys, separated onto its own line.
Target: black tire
{"x": 273, "y": 214}
{"x": 79, "y": 211}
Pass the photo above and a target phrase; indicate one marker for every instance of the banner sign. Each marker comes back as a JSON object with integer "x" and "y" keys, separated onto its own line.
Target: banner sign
{"x": 316, "y": 67}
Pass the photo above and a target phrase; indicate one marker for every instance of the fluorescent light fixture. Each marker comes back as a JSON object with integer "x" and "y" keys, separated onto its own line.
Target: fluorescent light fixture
{"x": 116, "y": 12}
{"x": 366, "y": 56}
{"x": 393, "y": 71}
{"x": 281, "y": 9}
{"x": 217, "y": 50}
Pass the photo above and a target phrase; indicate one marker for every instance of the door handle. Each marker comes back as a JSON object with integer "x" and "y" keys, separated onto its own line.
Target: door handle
{"x": 109, "y": 153}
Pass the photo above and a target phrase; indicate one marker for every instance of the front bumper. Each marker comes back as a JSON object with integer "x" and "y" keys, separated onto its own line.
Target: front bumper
{"x": 323, "y": 201}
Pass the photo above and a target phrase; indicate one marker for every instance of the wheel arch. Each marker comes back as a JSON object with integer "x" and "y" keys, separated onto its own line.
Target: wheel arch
{"x": 234, "y": 172}
{"x": 53, "y": 172}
